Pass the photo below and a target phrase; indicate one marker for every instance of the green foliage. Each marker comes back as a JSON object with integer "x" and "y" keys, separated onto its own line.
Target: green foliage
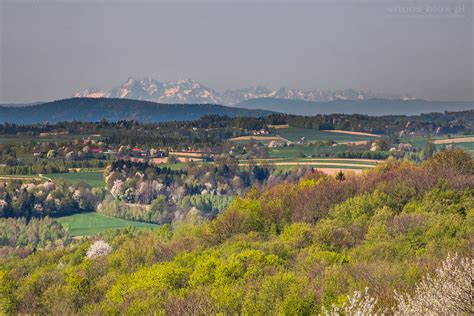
{"x": 157, "y": 212}
{"x": 37, "y": 233}
{"x": 209, "y": 204}
{"x": 292, "y": 248}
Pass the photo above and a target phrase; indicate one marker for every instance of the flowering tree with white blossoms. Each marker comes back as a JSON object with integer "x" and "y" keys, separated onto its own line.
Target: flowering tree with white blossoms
{"x": 117, "y": 188}
{"x": 357, "y": 304}
{"x": 450, "y": 291}
{"x": 98, "y": 248}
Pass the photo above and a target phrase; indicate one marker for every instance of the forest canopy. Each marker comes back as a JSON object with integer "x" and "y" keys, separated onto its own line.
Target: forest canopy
{"x": 292, "y": 248}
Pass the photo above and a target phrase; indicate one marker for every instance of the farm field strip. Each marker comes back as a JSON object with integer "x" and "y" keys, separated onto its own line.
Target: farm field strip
{"x": 93, "y": 178}
{"x": 258, "y": 138}
{"x": 20, "y": 177}
{"x": 350, "y": 132}
{"x": 438, "y": 140}
{"x": 187, "y": 154}
{"x": 278, "y": 126}
{"x": 296, "y": 133}
{"x": 311, "y": 163}
{"x": 327, "y": 170}
{"x": 296, "y": 151}
{"x": 355, "y": 143}
{"x": 84, "y": 224}
{"x": 50, "y": 138}
{"x": 454, "y": 140}
{"x": 317, "y": 160}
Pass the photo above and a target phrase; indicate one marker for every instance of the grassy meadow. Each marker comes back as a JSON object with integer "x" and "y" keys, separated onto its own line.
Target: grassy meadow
{"x": 299, "y": 150}
{"x": 312, "y": 135}
{"x": 295, "y": 134}
{"x": 94, "y": 178}
{"x": 465, "y": 142}
{"x": 85, "y": 224}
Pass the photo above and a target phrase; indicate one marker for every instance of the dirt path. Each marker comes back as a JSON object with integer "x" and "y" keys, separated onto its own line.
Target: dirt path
{"x": 19, "y": 178}
{"x": 44, "y": 177}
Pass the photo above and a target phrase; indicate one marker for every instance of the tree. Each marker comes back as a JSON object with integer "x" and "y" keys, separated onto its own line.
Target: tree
{"x": 97, "y": 249}
{"x": 381, "y": 145}
{"x": 340, "y": 176}
{"x": 260, "y": 173}
{"x": 356, "y": 304}
{"x": 428, "y": 151}
{"x": 449, "y": 292}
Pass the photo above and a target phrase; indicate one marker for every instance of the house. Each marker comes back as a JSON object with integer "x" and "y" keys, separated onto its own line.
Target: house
{"x": 275, "y": 144}
{"x": 39, "y": 153}
{"x": 161, "y": 154}
{"x": 261, "y": 132}
{"x": 96, "y": 150}
{"x": 405, "y": 147}
{"x": 137, "y": 152}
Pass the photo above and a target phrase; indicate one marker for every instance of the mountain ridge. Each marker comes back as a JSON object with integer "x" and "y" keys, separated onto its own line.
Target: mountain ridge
{"x": 373, "y": 107}
{"x": 191, "y": 91}
{"x": 112, "y": 109}
{"x": 96, "y": 109}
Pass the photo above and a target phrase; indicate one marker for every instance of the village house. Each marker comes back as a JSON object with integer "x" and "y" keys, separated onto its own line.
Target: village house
{"x": 261, "y": 132}
{"x": 37, "y": 153}
{"x": 96, "y": 150}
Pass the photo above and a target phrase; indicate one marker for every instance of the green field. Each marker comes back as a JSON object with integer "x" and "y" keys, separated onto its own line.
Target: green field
{"x": 172, "y": 166}
{"x": 94, "y": 178}
{"x": 286, "y": 168}
{"x": 469, "y": 147}
{"x": 295, "y": 133}
{"x": 285, "y": 164}
{"x": 315, "y": 160}
{"x": 421, "y": 141}
{"x": 296, "y": 151}
{"x": 85, "y": 224}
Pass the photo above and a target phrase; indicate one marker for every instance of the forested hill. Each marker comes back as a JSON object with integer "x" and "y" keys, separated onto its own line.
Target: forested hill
{"x": 369, "y": 107}
{"x": 91, "y": 110}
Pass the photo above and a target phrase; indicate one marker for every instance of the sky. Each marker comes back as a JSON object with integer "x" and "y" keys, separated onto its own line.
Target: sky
{"x": 424, "y": 48}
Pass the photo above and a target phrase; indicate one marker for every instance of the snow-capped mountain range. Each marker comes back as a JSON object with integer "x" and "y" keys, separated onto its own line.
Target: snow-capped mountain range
{"x": 190, "y": 91}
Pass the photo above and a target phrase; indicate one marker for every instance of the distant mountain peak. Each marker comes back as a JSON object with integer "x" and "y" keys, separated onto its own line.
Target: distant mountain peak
{"x": 191, "y": 91}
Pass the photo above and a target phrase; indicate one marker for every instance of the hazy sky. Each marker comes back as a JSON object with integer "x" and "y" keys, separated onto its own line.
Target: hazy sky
{"x": 50, "y": 49}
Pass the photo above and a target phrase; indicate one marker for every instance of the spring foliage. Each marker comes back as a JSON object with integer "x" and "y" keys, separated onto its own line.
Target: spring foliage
{"x": 293, "y": 249}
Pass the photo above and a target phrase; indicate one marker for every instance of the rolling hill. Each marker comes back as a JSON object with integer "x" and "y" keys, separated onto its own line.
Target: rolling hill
{"x": 374, "y": 107}
{"x": 96, "y": 109}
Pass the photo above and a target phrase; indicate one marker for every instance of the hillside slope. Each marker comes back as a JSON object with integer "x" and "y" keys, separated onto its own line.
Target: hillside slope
{"x": 294, "y": 248}
{"x": 369, "y": 107}
{"x": 90, "y": 110}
